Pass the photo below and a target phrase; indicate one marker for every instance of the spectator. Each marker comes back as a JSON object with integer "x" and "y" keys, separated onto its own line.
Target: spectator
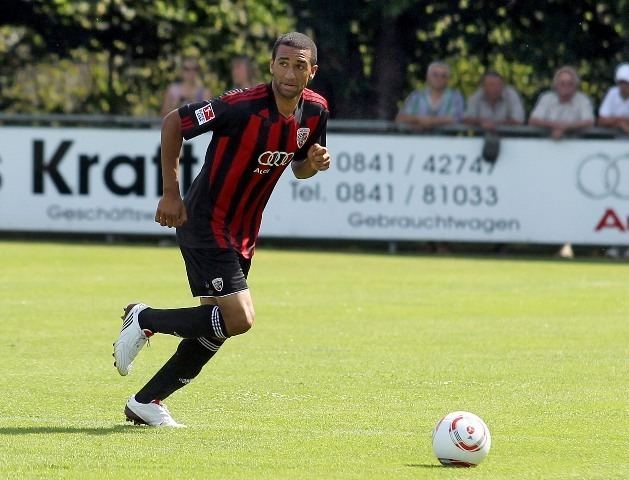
{"x": 243, "y": 72}
{"x": 564, "y": 108}
{"x": 494, "y": 104}
{"x": 614, "y": 111}
{"x": 435, "y": 105}
{"x": 189, "y": 90}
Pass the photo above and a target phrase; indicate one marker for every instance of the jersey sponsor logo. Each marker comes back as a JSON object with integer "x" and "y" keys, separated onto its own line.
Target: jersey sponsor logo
{"x": 217, "y": 283}
{"x": 302, "y": 136}
{"x": 204, "y": 114}
{"x": 275, "y": 159}
{"x": 272, "y": 159}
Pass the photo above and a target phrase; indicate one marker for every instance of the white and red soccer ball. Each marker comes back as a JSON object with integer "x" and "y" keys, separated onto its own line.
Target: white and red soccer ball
{"x": 461, "y": 439}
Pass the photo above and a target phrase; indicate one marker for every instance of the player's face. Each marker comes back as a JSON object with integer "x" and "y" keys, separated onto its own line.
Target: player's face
{"x": 292, "y": 70}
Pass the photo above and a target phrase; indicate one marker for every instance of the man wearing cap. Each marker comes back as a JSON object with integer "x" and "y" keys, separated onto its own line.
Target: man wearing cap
{"x": 614, "y": 111}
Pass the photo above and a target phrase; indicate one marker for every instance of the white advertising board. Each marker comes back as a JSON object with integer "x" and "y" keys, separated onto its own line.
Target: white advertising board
{"x": 388, "y": 187}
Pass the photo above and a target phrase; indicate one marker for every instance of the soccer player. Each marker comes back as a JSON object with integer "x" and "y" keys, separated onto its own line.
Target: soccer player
{"x": 257, "y": 133}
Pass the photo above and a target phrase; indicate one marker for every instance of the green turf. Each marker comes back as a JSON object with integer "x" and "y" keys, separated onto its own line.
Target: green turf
{"x": 352, "y": 360}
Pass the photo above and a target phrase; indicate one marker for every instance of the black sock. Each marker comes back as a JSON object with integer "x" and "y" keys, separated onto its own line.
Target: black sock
{"x": 191, "y": 355}
{"x": 192, "y": 322}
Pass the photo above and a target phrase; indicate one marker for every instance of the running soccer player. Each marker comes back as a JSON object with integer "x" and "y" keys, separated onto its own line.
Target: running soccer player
{"x": 257, "y": 133}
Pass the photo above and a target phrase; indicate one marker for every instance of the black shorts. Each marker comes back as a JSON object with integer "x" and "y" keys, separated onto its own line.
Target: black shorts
{"x": 215, "y": 272}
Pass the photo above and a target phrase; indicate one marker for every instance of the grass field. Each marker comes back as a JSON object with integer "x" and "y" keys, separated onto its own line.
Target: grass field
{"x": 352, "y": 360}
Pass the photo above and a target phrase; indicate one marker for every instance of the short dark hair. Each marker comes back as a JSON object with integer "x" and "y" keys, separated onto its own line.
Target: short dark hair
{"x": 296, "y": 40}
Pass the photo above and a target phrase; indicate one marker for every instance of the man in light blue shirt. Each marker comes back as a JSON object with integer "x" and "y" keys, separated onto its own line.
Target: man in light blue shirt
{"x": 435, "y": 105}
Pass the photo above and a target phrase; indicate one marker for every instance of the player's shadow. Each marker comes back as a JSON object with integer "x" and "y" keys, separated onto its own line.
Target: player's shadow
{"x": 81, "y": 430}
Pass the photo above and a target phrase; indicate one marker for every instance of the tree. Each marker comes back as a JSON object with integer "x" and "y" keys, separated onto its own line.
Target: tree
{"x": 378, "y": 51}
{"x": 116, "y": 56}
{"x": 126, "y": 50}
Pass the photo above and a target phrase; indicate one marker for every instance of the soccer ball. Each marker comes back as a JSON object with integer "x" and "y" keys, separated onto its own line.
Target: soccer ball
{"x": 461, "y": 439}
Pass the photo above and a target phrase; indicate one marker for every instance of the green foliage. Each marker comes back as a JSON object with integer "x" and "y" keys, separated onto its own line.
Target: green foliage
{"x": 525, "y": 40}
{"x": 126, "y": 51}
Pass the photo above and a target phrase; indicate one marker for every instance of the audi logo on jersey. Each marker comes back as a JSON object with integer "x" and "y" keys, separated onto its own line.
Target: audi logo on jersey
{"x": 275, "y": 159}
{"x": 272, "y": 159}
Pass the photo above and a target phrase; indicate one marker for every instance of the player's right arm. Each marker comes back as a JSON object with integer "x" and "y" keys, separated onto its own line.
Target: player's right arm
{"x": 187, "y": 122}
{"x": 171, "y": 211}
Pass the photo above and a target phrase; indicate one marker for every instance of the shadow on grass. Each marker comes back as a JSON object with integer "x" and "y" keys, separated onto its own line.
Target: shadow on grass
{"x": 83, "y": 430}
{"x": 423, "y": 465}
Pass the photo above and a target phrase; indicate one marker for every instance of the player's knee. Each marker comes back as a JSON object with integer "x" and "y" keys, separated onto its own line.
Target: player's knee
{"x": 240, "y": 323}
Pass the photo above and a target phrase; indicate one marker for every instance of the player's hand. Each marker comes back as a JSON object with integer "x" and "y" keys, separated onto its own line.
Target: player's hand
{"x": 171, "y": 211}
{"x": 318, "y": 158}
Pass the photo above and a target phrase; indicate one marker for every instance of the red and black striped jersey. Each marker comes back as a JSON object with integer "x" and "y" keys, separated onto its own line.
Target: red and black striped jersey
{"x": 252, "y": 144}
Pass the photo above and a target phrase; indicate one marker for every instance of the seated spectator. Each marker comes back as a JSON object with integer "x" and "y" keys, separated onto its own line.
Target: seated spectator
{"x": 494, "y": 103}
{"x": 188, "y": 90}
{"x": 564, "y": 108}
{"x": 243, "y": 72}
{"x": 435, "y": 105}
{"x": 614, "y": 111}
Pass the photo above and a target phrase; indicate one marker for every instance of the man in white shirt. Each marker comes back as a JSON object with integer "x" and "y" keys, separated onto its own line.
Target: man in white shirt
{"x": 614, "y": 111}
{"x": 564, "y": 108}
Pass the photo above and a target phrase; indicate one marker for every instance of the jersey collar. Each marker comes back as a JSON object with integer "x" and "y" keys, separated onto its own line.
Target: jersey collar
{"x": 275, "y": 113}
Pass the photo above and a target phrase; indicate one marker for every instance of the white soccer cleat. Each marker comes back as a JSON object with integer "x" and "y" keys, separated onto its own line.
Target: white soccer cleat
{"x": 154, "y": 414}
{"x": 131, "y": 340}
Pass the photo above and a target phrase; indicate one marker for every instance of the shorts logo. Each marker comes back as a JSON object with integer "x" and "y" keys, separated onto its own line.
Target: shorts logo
{"x": 217, "y": 283}
{"x": 204, "y": 114}
{"x": 302, "y": 136}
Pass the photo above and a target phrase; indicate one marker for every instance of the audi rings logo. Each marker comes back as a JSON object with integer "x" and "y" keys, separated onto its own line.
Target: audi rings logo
{"x": 275, "y": 159}
{"x": 602, "y": 176}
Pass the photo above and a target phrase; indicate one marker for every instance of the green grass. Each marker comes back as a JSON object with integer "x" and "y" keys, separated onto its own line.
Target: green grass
{"x": 352, "y": 360}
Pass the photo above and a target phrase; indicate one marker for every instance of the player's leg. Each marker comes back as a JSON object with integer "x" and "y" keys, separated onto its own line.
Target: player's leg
{"x": 193, "y": 353}
{"x": 191, "y": 356}
{"x": 219, "y": 274}
{"x": 212, "y": 273}
{"x": 221, "y": 317}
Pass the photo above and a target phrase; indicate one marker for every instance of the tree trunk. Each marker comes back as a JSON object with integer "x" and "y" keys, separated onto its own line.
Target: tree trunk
{"x": 388, "y": 69}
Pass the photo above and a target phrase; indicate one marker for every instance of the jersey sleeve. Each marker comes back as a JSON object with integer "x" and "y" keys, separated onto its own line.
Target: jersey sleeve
{"x": 201, "y": 117}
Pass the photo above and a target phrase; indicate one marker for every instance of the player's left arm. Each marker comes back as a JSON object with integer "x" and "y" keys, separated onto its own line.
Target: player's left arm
{"x": 317, "y": 160}
{"x": 314, "y": 156}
